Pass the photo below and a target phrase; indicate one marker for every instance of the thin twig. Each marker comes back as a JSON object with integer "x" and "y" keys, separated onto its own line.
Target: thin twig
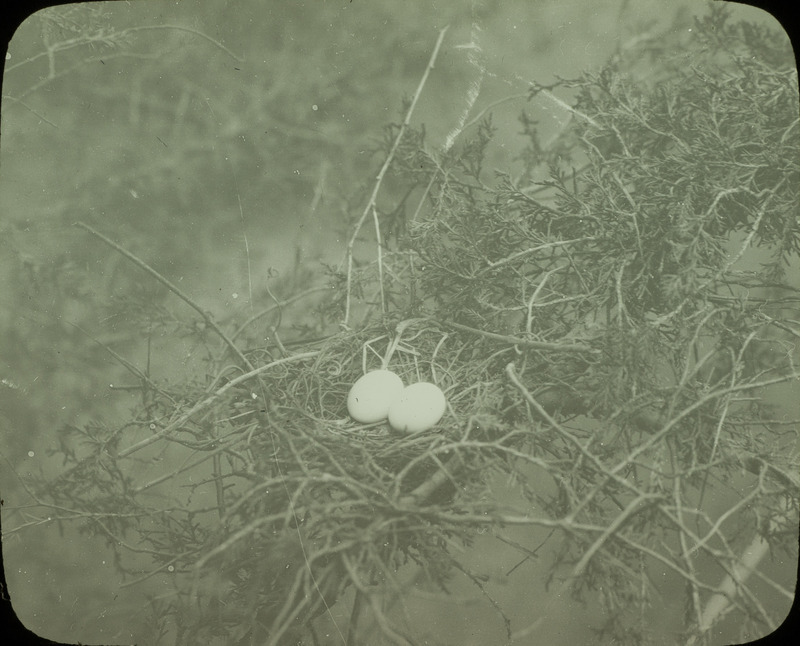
{"x": 379, "y": 616}
{"x": 276, "y": 306}
{"x": 525, "y": 252}
{"x": 172, "y": 287}
{"x": 211, "y": 399}
{"x": 141, "y": 376}
{"x": 473, "y": 49}
{"x": 634, "y": 507}
{"x": 379, "y": 179}
{"x": 563, "y": 104}
{"x": 529, "y": 343}
{"x": 379, "y": 247}
{"x": 742, "y": 248}
{"x": 195, "y": 32}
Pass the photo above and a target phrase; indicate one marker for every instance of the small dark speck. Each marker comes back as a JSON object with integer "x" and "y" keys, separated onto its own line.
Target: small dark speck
{"x": 102, "y": 61}
{"x": 237, "y": 69}
{"x": 162, "y": 141}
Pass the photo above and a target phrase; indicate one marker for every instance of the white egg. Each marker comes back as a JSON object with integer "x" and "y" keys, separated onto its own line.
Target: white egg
{"x": 419, "y": 408}
{"x": 370, "y": 397}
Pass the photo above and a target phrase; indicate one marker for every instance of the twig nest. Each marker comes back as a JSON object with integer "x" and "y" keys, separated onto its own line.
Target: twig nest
{"x": 419, "y": 407}
{"x": 372, "y": 395}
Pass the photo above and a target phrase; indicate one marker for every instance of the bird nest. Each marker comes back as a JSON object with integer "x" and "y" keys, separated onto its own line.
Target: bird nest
{"x": 263, "y": 501}
{"x": 312, "y": 502}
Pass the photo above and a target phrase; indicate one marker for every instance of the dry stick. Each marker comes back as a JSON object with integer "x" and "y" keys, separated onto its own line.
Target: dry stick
{"x": 494, "y": 104}
{"x": 379, "y": 247}
{"x": 370, "y": 207}
{"x": 174, "y": 289}
{"x": 745, "y": 245}
{"x": 114, "y": 35}
{"x": 473, "y": 50}
{"x": 355, "y": 613}
{"x": 528, "y": 343}
{"x": 535, "y": 295}
{"x": 686, "y": 552}
{"x": 143, "y": 377}
{"x": 634, "y": 507}
{"x": 210, "y": 400}
{"x": 277, "y": 305}
{"x": 380, "y": 617}
{"x": 524, "y": 252}
{"x": 302, "y": 230}
{"x": 224, "y": 447}
{"x": 563, "y": 104}
{"x": 721, "y": 601}
{"x": 749, "y": 561}
{"x": 206, "y": 317}
{"x": 214, "y": 42}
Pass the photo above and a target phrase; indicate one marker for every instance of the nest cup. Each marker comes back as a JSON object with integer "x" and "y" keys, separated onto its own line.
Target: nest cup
{"x": 311, "y": 399}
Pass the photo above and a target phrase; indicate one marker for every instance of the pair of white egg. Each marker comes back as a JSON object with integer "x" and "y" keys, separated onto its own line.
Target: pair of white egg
{"x": 380, "y": 394}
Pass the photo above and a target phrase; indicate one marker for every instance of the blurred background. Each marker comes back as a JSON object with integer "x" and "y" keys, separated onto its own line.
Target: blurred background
{"x": 228, "y": 145}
